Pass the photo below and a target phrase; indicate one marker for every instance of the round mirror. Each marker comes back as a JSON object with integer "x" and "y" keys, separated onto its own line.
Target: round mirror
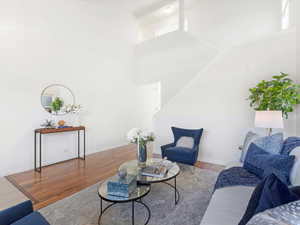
{"x": 55, "y": 99}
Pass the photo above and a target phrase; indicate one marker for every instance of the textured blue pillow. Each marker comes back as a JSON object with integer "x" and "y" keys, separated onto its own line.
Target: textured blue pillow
{"x": 270, "y": 193}
{"x": 272, "y": 144}
{"x": 262, "y": 163}
{"x": 250, "y": 138}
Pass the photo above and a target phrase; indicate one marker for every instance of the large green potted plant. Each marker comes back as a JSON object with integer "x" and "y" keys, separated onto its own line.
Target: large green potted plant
{"x": 279, "y": 94}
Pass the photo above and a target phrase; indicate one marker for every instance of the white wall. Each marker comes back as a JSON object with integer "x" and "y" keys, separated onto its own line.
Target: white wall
{"x": 86, "y": 45}
{"x": 173, "y": 59}
{"x": 226, "y": 23}
{"x": 216, "y": 99}
{"x": 176, "y": 58}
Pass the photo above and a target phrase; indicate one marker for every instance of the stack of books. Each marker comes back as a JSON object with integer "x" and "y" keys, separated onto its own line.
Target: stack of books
{"x": 158, "y": 171}
{"x": 121, "y": 187}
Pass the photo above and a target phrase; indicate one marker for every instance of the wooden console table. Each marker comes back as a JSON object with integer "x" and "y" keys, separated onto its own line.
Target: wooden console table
{"x": 43, "y": 131}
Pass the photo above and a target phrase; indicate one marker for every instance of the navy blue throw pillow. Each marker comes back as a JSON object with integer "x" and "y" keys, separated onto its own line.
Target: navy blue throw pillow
{"x": 270, "y": 193}
{"x": 262, "y": 163}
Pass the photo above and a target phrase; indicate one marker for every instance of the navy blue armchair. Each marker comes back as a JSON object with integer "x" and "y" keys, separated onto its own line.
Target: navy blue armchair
{"x": 181, "y": 154}
{"x": 22, "y": 214}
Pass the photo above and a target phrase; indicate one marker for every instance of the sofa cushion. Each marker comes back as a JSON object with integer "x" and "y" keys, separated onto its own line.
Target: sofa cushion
{"x": 227, "y": 206}
{"x": 34, "y": 218}
{"x": 179, "y": 154}
{"x": 288, "y": 214}
{"x": 270, "y": 193}
{"x": 262, "y": 163}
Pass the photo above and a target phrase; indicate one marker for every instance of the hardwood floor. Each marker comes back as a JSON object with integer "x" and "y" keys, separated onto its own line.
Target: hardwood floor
{"x": 64, "y": 179}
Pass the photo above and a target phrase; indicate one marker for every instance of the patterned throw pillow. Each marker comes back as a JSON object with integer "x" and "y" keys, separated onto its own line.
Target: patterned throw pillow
{"x": 288, "y": 214}
{"x": 272, "y": 144}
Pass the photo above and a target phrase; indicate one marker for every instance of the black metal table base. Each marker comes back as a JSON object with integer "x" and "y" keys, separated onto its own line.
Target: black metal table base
{"x": 177, "y": 194}
{"x": 102, "y": 211}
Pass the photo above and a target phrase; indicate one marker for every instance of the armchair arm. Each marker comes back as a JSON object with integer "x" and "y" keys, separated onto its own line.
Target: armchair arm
{"x": 164, "y": 147}
{"x": 15, "y": 213}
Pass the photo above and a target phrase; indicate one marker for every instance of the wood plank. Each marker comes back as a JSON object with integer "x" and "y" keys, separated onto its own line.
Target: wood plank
{"x": 64, "y": 179}
{"x": 58, "y": 130}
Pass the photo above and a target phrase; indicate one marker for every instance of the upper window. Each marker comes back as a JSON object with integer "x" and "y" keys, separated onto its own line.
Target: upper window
{"x": 166, "y": 17}
{"x": 286, "y": 14}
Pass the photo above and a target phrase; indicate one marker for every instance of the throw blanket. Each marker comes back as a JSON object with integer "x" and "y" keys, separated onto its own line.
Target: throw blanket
{"x": 236, "y": 176}
{"x": 290, "y": 144}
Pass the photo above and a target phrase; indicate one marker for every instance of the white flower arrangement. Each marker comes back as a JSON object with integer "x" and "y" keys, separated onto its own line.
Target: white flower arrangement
{"x": 136, "y": 135}
{"x": 72, "y": 108}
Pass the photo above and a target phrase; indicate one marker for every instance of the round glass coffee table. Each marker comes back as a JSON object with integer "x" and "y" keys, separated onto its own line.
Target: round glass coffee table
{"x": 132, "y": 168}
{"x": 135, "y": 197}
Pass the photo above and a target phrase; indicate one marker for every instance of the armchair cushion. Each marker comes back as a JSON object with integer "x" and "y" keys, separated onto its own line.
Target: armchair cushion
{"x": 182, "y": 155}
{"x": 34, "y": 218}
{"x": 15, "y": 213}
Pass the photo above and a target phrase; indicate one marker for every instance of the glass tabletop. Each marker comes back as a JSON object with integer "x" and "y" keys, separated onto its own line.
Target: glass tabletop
{"x": 132, "y": 168}
{"x": 138, "y": 193}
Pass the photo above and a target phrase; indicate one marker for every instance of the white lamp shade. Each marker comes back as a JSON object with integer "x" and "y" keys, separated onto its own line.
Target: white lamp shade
{"x": 269, "y": 119}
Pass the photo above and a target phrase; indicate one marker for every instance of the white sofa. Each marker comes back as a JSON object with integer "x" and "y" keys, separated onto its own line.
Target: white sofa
{"x": 229, "y": 204}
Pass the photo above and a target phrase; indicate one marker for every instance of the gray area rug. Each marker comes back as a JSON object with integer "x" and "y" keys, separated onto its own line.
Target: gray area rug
{"x": 195, "y": 186}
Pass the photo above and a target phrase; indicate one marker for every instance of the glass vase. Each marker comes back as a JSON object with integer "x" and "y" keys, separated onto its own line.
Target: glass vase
{"x": 142, "y": 155}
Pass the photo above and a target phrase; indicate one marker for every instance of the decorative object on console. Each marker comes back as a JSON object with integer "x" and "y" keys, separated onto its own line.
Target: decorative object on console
{"x": 269, "y": 120}
{"x": 262, "y": 163}
{"x": 141, "y": 138}
{"x": 121, "y": 187}
{"x": 270, "y": 193}
{"x": 75, "y": 111}
{"x": 183, "y": 154}
{"x": 61, "y": 123}
{"x": 48, "y": 124}
{"x": 279, "y": 94}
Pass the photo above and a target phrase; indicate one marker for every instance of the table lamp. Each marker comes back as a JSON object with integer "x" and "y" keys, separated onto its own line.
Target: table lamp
{"x": 269, "y": 120}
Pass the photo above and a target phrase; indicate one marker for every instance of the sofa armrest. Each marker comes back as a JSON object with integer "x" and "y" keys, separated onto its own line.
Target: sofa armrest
{"x": 15, "y": 213}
